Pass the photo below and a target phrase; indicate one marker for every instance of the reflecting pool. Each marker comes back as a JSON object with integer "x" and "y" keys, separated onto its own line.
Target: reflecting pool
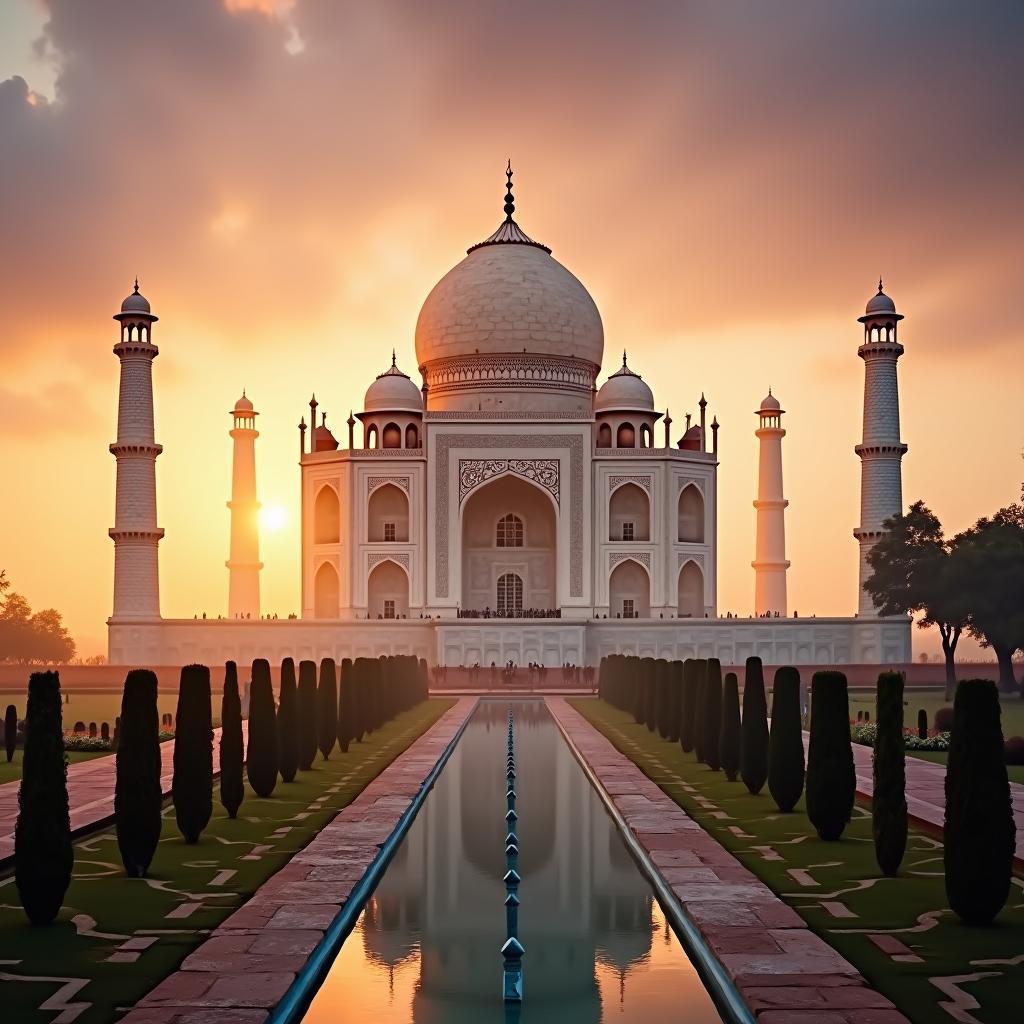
{"x": 426, "y": 947}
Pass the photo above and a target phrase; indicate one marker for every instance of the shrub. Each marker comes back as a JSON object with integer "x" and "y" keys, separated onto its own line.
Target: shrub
{"x": 922, "y": 724}
{"x": 698, "y": 722}
{"x": 43, "y": 857}
{"x": 831, "y": 780}
{"x": 288, "y": 723}
{"x": 648, "y": 675}
{"x": 261, "y": 757}
{"x": 327, "y": 708}
{"x": 754, "y": 730}
{"x": 346, "y": 716}
{"x": 786, "y": 741}
{"x": 663, "y": 690}
{"x": 232, "y": 752}
{"x": 1013, "y": 750}
{"x": 10, "y": 731}
{"x": 712, "y": 728}
{"x": 138, "y": 796}
{"x": 688, "y": 714}
{"x": 729, "y": 736}
{"x": 637, "y": 680}
{"x": 889, "y": 799}
{"x": 943, "y": 720}
{"x": 105, "y": 732}
{"x": 979, "y": 833}
{"x": 192, "y": 788}
{"x": 675, "y": 683}
{"x": 307, "y": 715}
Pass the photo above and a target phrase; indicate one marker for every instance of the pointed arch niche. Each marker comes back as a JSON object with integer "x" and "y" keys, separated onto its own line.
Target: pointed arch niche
{"x": 326, "y": 516}
{"x": 691, "y": 515}
{"x": 387, "y": 515}
{"x": 629, "y": 591}
{"x": 325, "y": 596}
{"x": 629, "y": 514}
{"x": 387, "y": 591}
{"x": 691, "y": 591}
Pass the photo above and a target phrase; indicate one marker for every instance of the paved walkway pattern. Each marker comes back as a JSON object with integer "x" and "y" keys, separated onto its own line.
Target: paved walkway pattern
{"x": 926, "y": 792}
{"x": 244, "y": 969}
{"x": 90, "y": 792}
{"x": 786, "y": 973}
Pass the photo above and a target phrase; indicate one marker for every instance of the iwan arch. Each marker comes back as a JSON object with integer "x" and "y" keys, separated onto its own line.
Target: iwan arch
{"x": 504, "y": 508}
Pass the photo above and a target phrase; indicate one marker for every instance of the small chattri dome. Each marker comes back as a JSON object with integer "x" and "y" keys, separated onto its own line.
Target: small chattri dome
{"x": 879, "y": 303}
{"x": 393, "y": 391}
{"x": 243, "y": 405}
{"x": 624, "y": 391}
{"x": 770, "y": 403}
{"x": 136, "y": 302}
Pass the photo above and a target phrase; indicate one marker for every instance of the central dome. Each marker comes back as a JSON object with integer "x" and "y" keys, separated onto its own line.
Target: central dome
{"x": 509, "y": 328}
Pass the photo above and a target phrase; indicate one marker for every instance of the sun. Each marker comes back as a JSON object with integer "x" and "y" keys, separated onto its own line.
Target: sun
{"x": 273, "y": 517}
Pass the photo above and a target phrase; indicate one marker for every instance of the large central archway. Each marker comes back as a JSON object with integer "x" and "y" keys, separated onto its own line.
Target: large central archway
{"x": 508, "y": 530}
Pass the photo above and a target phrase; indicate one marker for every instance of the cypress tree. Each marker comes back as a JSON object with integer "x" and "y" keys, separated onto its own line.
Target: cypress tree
{"x": 786, "y": 741}
{"x": 648, "y": 674}
{"x": 979, "y": 828}
{"x": 232, "y": 750}
{"x": 922, "y": 724}
{"x": 137, "y": 793}
{"x": 358, "y": 677}
{"x": 729, "y": 736}
{"x": 675, "y": 700}
{"x": 831, "y": 779}
{"x": 699, "y": 718}
{"x": 346, "y": 725}
{"x": 192, "y": 788}
{"x": 307, "y": 715}
{"x": 10, "y": 731}
{"x": 754, "y": 734}
{"x": 889, "y": 798}
{"x": 43, "y": 857}
{"x": 262, "y": 756}
{"x": 288, "y": 723}
{"x": 327, "y": 708}
{"x": 688, "y": 715}
{"x": 636, "y": 678}
{"x": 663, "y": 689}
{"x": 712, "y": 714}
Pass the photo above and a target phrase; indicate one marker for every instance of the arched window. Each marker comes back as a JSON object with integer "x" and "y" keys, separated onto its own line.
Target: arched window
{"x": 387, "y": 515}
{"x": 691, "y": 592}
{"x": 629, "y": 514}
{"x": 626, "y": 436}
{"x": 629, "y": 591}
{"x": 510, "y": 594}
{"x": 412, "y": 436}
{"x": 509, "y": 533}
{"x": 691, "y": 515}
{"x": 326, "y": 516}
{"x": 387, "y": 591}
{"x": 645, "y": 436}
{"x": 371, "y": 436}
{"x": 392, "y": 436}
{"x": 325, "y": 587}
{"x": 604, "y": 436}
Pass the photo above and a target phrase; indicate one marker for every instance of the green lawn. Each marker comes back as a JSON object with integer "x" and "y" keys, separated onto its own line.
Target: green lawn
{"x": 1015, "y": 771}
{"x": 99, "y": 706}
{"x": 11, "y": 772}
{"x": 103, "y": 909}
{"x": 931, "y": 700}
{"x": 913, "y": 907}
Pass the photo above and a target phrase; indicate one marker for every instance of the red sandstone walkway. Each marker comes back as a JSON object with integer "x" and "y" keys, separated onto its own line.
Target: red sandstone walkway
{"x": 90, "y": 792}
{"x": 785, "y": 973}
{"x": 244, "y": 969}
{"x": 926, "y": 793}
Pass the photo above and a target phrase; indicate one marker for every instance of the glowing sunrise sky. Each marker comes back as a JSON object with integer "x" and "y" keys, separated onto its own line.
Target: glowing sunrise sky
{"x": 289, "y": 180}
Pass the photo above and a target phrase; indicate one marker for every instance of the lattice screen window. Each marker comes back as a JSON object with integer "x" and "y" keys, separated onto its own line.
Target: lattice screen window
{"x": 510, "y": 594}
{"x": 389, "y": 531}
{"x": 509, "y": 532}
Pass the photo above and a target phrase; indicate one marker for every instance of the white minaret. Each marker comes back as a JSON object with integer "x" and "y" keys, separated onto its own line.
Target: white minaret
{"x": 244, "y": 564}
{"x": 135, "y": 533}
{"x": 770, "y": 563}
{"x": 881, "y": 482}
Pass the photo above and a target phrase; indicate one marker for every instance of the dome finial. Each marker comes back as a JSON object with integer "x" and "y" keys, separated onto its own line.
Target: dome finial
{"x": 510, "y": 202}
{"x": 624, "y": 359}
{"x": 136, "y": 292}
{"x": 879, "y": 284}
{"x": 393, "y": 358}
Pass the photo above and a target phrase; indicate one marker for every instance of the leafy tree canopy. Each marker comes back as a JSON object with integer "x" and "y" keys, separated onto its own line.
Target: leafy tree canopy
{"x": 26, "y": 637}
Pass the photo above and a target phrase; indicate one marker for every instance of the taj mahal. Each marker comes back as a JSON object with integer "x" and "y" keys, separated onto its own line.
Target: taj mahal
{"x": 504, "y": 507}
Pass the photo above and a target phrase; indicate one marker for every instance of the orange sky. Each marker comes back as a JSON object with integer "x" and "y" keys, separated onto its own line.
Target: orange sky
{"x": 289, "y": 180}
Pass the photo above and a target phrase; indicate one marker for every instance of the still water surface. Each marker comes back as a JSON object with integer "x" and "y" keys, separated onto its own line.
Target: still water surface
{"x": 426, "y": 948}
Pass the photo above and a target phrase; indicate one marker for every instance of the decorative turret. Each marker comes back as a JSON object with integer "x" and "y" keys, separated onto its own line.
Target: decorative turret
{"x": 135, "y": 533}
{"x": 770, "y": 562}
{"x": 881, "y": 450}
{"x": 244, "y": 564}
{"x": 624, "y": 411}
{"x": 392, "y": 415}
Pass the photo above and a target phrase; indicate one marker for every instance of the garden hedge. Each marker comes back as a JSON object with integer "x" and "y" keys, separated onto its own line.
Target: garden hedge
{"x": 831, "y": 779}
{"x": 308, "y": 733}
{"x": 327, "y": 708}
{"x": 754, "y": 730}
{"x": 729, "y": 736}
{"x": 192, "y": 785}
{"x": 889, "y": 793}
{"x": 288, "y": 723}
{"x": 785, "y": 741}
{"x": 261, "y": 760}
{"x": 712, "y": 726}
{"x": 232, "y": 749}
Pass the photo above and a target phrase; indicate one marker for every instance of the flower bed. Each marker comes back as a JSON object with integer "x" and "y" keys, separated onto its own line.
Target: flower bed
{"x": 84, "y": 743}
{"x": 864, "y": 733}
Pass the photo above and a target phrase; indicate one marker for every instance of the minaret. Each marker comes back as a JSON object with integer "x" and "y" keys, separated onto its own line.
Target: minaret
{"x": 135, "y": 533}
{"x": 880, "y": 451}
{"x": 244, "y": 564}
{"x": 770, "y": 563}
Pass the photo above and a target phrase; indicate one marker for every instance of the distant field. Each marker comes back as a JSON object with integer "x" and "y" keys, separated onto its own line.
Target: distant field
{"x": 931, "y": 700}
{"x": 98, "y": 707}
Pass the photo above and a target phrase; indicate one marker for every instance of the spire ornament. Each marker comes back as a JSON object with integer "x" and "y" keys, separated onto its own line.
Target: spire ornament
{"x": 510, "y": 202}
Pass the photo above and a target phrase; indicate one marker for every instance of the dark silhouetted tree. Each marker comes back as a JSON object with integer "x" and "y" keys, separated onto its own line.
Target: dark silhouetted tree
{"x": 979, "y": 828}
{"x": 192, "y": 787}
{"x": 831, "y": 779}
{"x": 10, "y": 731}
{"x": 648, "y": 674}
{"x": 262, "y": 754}
{"x": 232, "y": 751}
{"x": 43, "y": 857}
{"x": 327, "y": 708}
{"x": 754, "y": 730}
{"x": 138, "y": 797}
{"x": 786, "y": 741}
{"x": 288, "y": 723}
{"x": 688, "y": 715}
{"x": 889, "y": 797}
{"x": 675, "y": 713}
{"x": 663, "y": 691}
{"x": 346, "y": 718}
{"x": 710, "y": 733}
{"x": 729, "y": 737}
{"x": 307, "y": 715}
{"x": 922, "y": 724}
